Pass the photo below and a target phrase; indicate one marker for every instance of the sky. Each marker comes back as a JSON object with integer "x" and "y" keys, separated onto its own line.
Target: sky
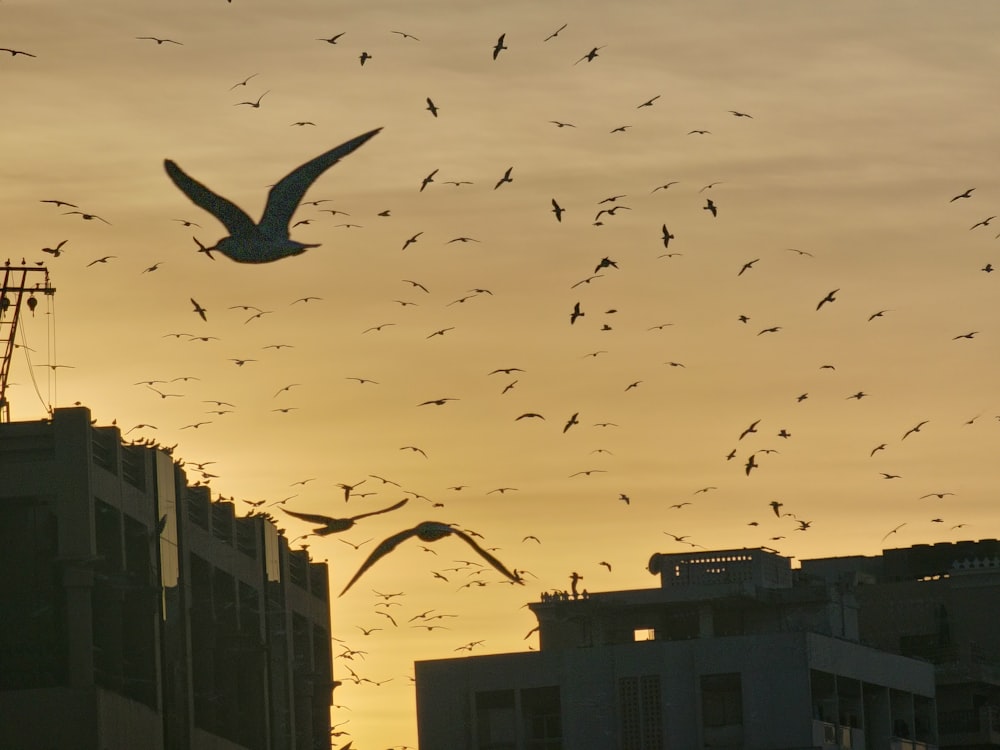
{"x": 840, "y": 136}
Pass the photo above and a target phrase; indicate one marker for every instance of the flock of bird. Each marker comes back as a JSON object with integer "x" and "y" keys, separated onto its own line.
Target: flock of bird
{"x": 543, "y": 356}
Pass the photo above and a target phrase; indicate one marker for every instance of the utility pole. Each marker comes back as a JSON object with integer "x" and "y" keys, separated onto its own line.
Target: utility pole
{"x": 16, "y": 291}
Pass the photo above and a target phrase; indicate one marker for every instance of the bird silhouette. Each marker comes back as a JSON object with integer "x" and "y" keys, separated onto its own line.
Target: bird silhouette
{"x": 555, "y": 33}
{"x": 499, "y": 47}
{"x": 269, "y": 240}
{"x": 336, "y": 525}
{"x": 428, "y": 531}
{"x": 506, "y": 178}
{"x": 256, "y": 103}
{"x": 589, "y": 57}
{"x": 158, "y": 40}
{"x": 828, "y": 298}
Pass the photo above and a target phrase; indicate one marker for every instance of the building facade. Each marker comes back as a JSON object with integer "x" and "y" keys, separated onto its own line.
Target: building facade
{"x": 941, "y": 603}
{"x": 135, "y": 612}
{"x": 732, "y": 651}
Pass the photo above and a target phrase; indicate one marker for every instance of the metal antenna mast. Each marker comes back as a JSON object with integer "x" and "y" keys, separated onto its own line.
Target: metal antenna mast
{"x": 15, "y": 291}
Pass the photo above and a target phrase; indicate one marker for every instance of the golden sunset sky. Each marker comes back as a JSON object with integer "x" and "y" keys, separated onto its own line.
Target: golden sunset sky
{"x": 865, "y": 121}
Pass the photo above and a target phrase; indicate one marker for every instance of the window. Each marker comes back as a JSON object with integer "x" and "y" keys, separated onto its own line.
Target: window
{"x": 721, "y": 700}
{"x": 640, "y": 713}
{"x": 540, "y": 711}
{"x": 496, "y": 726}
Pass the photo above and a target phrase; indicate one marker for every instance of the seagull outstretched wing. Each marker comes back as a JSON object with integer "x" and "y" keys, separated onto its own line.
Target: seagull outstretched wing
{"x": 233, "y": 217}
{"x": 287, "y": 193}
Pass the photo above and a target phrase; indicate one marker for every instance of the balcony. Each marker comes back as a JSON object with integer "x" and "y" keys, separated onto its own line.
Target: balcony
{"x": 970, "y": 727}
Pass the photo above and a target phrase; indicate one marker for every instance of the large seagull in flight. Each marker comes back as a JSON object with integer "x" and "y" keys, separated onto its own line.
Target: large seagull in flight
{"x": 268, "y": 240}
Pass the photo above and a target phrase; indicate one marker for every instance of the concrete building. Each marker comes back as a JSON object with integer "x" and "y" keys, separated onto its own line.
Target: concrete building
{"x": 137, "y": 613}
{"x": 732, "y": 651}
{"x": 940, "y": 603}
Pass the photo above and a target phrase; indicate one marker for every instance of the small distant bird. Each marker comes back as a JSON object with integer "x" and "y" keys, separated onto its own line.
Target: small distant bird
{"x": 105, "y": 259}
{"x": 333, "y": 39}
{"x": 890, "y": 476}
{"x": 938, "y": 495}
{"x": 751, "y": 429}
{"x": 751, "y": 463}
{"x": 437, "y": 401}
{"x": 428, "y": 531}
{"x": 364, "y": 57}
{"x": 648, "y": 102}
{"x": 242, "y": 83}
{"x": 772, "y": 329}
{"x": 776, "y": 507}
{"x": 748, "y": 265}
{"x": 605, "y": 262}
{"x": 506, "y": 178}
{"x": 428, "y": 179}
{"x": 968, "y": 335}
{"x": 529, "y": 415}
{"x": 589, "y": 57}
{"x": 555, "y": 33}
{"x": 664, "y": 186}
{"x": 557, "y": 210}
{"x": 984, "y": 223}
{"x": 988, "y": 268}
{"x": 431, "y": 107}
{"x": 571, "y": 421}
{"x": 86, "y": 216}
{"x": 559, "y": 124}
{"x": 405, "y": 35}
{"x": 59, "y": 204}
{"x": 199, "y": 309}
{"x": 893, "y": 531}
{"x": 859, "y": 395}
{"x": 966, "y": 194}
{"x": 667, "y": 236}
{"x": 577, "y": 313}
{"x": 55, "y": 251}
{"x": 158, "y": 40}
{"x": 621, "y": 129}
{"x": 254, "y": 104}
{"x": 710, "y": 206}
{"x": 878, "y": 314}
{"x": 699, "y": 132}
{"x": 499, "y": 47}
{"x": 411, "y": 241}
{"x": 268, "y": 240}
{"x": 914, "y": 429}
{"x": 734, "y": 113}
{"x": 16, "y": 52}
{"x": 828, "y": 298}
